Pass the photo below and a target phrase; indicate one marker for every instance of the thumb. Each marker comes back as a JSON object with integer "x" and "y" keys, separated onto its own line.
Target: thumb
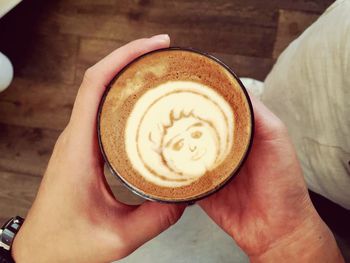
{"x": 150, "y": 219}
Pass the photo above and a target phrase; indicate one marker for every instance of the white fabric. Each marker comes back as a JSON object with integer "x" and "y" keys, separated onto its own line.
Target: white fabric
{"x": 309, "y": 89}
{"x": 7, "y": 5}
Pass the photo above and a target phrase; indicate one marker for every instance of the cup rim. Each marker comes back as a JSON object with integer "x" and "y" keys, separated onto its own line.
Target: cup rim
{"x": 233, "y": 174}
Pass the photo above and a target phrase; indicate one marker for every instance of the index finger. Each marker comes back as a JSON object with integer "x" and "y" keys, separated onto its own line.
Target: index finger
{"x": 98, "y": 76}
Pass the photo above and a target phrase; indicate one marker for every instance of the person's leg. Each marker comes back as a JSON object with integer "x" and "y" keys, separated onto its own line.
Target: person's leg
{"x": 309, "y": 89}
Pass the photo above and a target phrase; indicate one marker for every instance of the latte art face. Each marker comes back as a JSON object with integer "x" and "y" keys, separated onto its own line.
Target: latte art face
{"x": 178, "y": 131}
{"x": 190, "y": 147}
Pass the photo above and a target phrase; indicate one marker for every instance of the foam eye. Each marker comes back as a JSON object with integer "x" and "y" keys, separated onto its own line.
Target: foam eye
{"x": 178, "y": 145}
{"x": 196, "y": 134}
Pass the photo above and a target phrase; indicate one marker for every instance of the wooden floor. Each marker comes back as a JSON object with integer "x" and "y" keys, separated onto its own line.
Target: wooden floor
{"x": 51, "y": 43}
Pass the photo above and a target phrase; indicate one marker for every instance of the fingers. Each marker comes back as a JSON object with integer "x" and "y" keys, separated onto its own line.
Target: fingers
{"x": 205, "y": 203}
{"x": 103, "y": 71}
{"x": 98, "y": 76}
{"x": 150, "y": 219}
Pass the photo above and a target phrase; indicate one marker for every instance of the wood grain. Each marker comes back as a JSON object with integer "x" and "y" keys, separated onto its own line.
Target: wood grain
{"x": 290, "y": 25}
{"x": 90, "y": 51}
{"x": 17, "y": 193}
{"x": 37, "y": 104}
{"x": 245, "y": 66}
{"x": 48, "y": 58}
{"x": 25, "y": 150}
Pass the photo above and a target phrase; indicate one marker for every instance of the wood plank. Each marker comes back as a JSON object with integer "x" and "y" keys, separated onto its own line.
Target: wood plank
{"x": 317, "y": 6}
{"x": 110, "y": 6}
{"x": 290, "y": 25}
{"x": 252, "y": 12}
{"x": 232, "y": 37}
{"x": 17, "y": 194}
{"x": 49, "y": 58}
{"x": 177, "y": 12}
{"x": 25, "y": 150}
{"x": 245, "y": 66}
{"x": 221, "y": 27}
{"x": 37, "y": 104}
{"x": 92, "y": 50}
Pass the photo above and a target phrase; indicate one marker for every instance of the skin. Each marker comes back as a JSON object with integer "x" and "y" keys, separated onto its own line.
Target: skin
{"x": 187, "y": 152}
{"x": 75, "y": 217}
{"x": 266, "y": 209}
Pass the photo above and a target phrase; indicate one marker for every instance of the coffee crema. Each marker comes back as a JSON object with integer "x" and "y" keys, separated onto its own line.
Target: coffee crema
{"x": 175, "y": 125}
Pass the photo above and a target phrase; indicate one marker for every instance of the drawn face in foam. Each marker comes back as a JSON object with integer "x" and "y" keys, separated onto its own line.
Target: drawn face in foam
{"x": 190, "y": 146}
{"x": 177, "y": 132}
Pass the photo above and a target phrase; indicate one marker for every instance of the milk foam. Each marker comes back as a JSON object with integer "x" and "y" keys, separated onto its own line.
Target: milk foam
{"x": 178, "y": 131}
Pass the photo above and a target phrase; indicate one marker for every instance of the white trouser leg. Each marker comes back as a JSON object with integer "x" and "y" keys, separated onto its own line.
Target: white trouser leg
{"x": 309, "y": 89}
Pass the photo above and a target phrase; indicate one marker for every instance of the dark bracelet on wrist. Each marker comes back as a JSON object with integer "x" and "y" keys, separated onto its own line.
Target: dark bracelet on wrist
{"x": 7, "y": 235}
{"x": 5, "y": 256}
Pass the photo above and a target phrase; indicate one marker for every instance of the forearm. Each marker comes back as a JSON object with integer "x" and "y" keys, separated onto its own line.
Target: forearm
{"x": 313, "y": 242}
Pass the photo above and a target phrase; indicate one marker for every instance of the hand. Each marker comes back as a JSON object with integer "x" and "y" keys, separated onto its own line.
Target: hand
{"x": 75, "y": 218}
{"x": 266, "y": 208}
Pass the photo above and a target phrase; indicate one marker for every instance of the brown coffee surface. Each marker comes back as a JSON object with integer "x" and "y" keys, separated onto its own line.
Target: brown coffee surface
{"x": 149, "y": 72}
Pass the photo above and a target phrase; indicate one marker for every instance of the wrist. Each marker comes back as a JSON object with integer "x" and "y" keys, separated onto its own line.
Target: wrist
{"x": 8, "y": 233}
{"x": 311, "y": 242}
{"x": 22, "y": 250}
{"x": 17, "y": 250}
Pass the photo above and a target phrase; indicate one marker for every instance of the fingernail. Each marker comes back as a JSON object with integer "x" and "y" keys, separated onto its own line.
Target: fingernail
{"x": 161, "y": 37}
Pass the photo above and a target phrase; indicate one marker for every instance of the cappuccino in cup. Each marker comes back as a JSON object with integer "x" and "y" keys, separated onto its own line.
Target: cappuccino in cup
{"x": 175, "y": 125}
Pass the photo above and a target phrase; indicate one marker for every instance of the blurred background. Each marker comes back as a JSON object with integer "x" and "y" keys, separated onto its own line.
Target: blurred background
{"x": 52, "y": 43}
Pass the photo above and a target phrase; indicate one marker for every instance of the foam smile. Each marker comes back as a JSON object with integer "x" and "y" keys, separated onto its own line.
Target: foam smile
{"x": 198, "y": 155}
